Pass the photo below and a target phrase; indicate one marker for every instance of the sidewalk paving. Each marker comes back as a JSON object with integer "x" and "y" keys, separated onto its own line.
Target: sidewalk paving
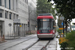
{"x": 57, "y": 39}
{"x": 13, "y": 42}
{"x": 10, "y": 43}
{"x": 58, "y": 46}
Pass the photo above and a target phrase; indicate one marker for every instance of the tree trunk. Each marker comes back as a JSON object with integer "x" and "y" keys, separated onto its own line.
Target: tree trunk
{"x": 66, "y": 26}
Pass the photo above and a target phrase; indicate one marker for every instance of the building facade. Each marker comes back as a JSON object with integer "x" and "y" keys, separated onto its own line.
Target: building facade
{"x": 13, "y": 17}
{"x": 23, "y": 16}
{"x": 32, "y": 14}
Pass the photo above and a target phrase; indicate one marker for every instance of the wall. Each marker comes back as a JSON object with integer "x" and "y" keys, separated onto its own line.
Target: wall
{"x": 32, "y": 13}
{"x": 8, "y": 29}
{"x": 23, "y": 11}
{"x": 23, "y": 16}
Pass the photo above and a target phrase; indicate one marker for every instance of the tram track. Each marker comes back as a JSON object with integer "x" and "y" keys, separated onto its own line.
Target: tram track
{"x": 30, "y": 45}
{"x": 38, "y": 45}
{"x": 45, "y": 47}
{"x": 10, "y": 41}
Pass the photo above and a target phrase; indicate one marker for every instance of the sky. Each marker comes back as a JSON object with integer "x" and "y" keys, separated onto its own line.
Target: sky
{"x": 34, "y": 2}
{"x": 73, "y": 21}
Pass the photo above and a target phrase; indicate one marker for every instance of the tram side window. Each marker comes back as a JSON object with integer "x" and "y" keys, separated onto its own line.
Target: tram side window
{"x": 51, "y": 24}
{"x": 54, "y": 25}
{"x": 38, "y": 22}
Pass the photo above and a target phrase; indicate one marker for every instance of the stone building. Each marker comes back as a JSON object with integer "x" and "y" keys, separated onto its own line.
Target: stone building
{"x": 32, "y": 13}
{"x": 13, "y": 17}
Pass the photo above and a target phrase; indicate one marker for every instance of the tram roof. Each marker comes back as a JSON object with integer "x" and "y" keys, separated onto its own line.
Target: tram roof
{"x": 43, "y": 17}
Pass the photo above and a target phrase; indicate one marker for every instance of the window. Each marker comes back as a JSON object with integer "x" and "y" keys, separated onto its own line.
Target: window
{"x": 0, "y": 2}
{"x": 6, "y": 14}
{"x": 10, "y": 16}
{"x": 9, "y": 4}
{"x": 0, "y": 14}
{"x": 45, "y": 24}
{"x": 5, "y": 3}
{"x": 17, "y": 17}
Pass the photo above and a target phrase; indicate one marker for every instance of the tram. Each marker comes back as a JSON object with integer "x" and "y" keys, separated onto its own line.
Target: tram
{"x": 45, "y": 26}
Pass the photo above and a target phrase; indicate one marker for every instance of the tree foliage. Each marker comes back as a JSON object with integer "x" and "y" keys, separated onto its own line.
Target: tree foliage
{"x": 44, "y": 7}
{"x": 66, "y": 8}
{"x": 71, "y": 41}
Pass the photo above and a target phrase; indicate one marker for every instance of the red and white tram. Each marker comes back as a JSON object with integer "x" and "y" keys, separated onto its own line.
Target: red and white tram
{"x": 45, "y": 26}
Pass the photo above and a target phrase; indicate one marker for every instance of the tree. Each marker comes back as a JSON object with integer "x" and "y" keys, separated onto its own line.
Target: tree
{"x": 44, "y": 7}
{"x": 67, "y": 9}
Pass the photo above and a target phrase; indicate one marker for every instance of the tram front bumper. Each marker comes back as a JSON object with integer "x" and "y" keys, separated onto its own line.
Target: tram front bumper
{"x": 45, "y": 35}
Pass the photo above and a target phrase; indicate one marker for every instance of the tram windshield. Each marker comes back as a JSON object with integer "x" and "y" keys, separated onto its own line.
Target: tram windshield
{"x": 45, "y": 24}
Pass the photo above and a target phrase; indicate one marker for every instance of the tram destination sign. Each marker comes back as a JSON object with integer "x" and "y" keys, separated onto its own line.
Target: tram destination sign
{"x": 44, "y": 19}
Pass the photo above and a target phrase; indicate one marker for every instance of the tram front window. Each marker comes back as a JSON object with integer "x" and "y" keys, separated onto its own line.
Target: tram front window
{"x": 45, "y": 24}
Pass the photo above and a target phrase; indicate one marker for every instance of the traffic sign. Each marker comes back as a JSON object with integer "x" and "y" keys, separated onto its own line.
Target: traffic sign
{"x": 20, "y": 25}
{"x": 62, "y": 23}
{"x": 61, "y": 18}
{"x": 61, "y": 28}
{"x": 10, "y": 24}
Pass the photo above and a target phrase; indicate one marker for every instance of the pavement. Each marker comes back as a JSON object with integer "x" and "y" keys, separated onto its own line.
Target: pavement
{"x": 16, "y": 42}
{"x": 57, "y": 41}
{"x": 11, "y": 43}
{"x": 23, "y": 45}
{"x": 58, "y": 46}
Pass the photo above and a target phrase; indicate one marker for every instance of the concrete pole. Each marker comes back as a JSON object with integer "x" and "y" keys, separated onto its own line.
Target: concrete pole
{"x": 63, "y": 28}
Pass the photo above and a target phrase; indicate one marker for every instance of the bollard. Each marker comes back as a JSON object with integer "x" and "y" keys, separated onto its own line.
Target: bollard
{"x": 3, "y": 38}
